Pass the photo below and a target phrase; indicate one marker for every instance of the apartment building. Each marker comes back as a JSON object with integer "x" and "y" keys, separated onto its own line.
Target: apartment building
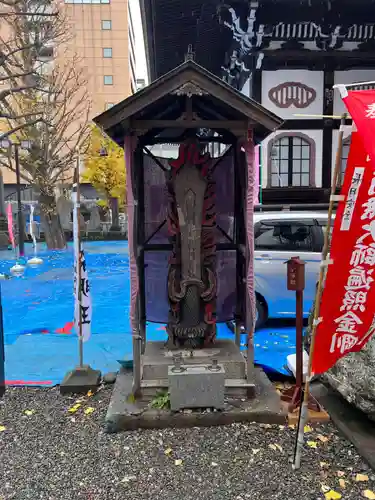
{"x": 103, "y": 39}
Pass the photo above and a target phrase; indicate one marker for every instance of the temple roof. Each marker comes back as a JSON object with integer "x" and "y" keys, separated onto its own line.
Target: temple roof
{"x": 227, "y": 36}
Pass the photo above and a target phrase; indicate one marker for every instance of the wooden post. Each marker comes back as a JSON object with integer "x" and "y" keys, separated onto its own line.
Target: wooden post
{"x": 327, "y": 236}
{"x": 296, "y": 283}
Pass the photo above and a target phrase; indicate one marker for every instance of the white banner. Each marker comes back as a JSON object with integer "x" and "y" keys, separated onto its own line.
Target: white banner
{"x": 82, "y": 298}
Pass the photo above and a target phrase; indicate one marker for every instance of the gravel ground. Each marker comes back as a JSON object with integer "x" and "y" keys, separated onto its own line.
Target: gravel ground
{"x": 49, "y": 453}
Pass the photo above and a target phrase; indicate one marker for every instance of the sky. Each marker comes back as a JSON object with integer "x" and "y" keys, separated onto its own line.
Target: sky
{"x": 141, "y": 67}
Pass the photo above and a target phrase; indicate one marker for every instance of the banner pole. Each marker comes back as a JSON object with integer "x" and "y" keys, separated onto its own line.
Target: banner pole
{"x": 77, "y": 246}
{"x": 83, "y": 378}
{"x": 318, "y": 297}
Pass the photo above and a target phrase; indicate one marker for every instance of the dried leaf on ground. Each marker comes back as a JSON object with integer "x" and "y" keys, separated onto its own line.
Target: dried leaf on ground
{"x": 325, "y": 488}
{"x": 178, "y": 462}
{"x": 89, "y": 410}
{"x": 342, "y": 483}
{"x": 272, "y": 446}
{"x": 332, "y": 495}
{"x": 340, "y": 473}
{"x": 214, "y": 464}
{"x": 361, "y": 477}
{"x": 312, "y": 444}
{"x": 324, "y": 464}
{"x": 74, "y": 408}
{"x": 279, "y": 447}
{"x": 369, "y": 494}
{"x": 255, "y": 451}
{"x": 2, "y": 428}
{"x": 322, "y": 438}
{"x": 29, "y": 412}
{"x": 168, "y": 451}
{"x": 89, "y": 394}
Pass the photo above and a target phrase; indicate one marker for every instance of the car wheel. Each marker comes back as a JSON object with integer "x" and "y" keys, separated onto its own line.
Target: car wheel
{"x": 261, "y": 313}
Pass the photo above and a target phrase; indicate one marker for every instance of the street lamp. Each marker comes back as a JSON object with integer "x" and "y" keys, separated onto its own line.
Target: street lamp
{"x": 24, "y": 144}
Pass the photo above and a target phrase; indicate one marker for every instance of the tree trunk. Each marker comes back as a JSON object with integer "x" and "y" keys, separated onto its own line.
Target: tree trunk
{"x": 113, "y": 203}
{"x": 50, "y": 220}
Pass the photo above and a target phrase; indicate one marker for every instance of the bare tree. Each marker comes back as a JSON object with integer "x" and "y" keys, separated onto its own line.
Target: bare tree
{"x": 28, "y": 28}
{"x": 57, "y": 103}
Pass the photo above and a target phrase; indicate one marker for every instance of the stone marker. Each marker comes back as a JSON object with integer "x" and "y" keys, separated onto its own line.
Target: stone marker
{"x": 199, "y": 386}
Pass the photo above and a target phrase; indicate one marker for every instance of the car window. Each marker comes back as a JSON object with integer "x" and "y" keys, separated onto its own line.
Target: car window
{"x": 284, "y": 235}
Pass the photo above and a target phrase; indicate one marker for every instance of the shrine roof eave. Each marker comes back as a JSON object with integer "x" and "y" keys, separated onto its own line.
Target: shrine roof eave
{"x": 164, "y": 99}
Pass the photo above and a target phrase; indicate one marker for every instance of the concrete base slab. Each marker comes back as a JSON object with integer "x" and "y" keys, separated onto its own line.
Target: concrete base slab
{"x": 157, "y": 358}
{"x": 125, "y": 413}
{"x": 80, "y": 381}
{"x": 353, "y": 423}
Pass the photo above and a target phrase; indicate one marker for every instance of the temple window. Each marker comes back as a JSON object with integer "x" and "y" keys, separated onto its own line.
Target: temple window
{"x": 291, "y": 161}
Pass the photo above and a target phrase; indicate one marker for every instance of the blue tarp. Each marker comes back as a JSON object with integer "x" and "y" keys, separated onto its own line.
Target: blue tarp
{"x": 41, "y": 345}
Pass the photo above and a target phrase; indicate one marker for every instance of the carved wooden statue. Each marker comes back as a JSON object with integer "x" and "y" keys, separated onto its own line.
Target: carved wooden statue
{"x": 192, "y": 281}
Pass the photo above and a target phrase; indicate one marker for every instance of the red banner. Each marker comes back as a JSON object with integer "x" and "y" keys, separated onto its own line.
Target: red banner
{"x": 347, "y": 318}
{"x": 361, "y": 106}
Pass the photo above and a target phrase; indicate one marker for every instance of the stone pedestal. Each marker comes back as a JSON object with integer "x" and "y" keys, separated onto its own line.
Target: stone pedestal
{"x": 157, "y": 359}
{"x": 80, "y": 380}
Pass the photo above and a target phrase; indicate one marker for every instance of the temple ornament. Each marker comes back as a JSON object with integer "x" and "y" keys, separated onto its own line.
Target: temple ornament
{"x": 294, "y": 94}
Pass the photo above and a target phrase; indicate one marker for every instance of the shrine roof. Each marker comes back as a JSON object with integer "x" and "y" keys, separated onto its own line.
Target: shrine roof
{"x": 164, "y": 103}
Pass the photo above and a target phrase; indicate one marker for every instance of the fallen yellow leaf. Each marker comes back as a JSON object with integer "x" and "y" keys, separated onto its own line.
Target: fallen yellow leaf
{"x": 342, "y": 484}
{"x": 2, "y": 428}
{"x": 361, "y": 477}
{"x": 89, "y": 394}
{"x": 322, "y": 438}
{"x": 332, "y": 495}
{"x": 178, "y": 462}
{"x": 272, "y": 446}
{"x": 74, "y": 408}
{"x": 307, "y": 429}
{"x": 168, "y": 451}
{"x": 29, "y": 412}
{"x": 369, "y": 494}
{"x": 340, "y": 473}
{"x": 312, "y": 444}
{"x": 89, "y": 410}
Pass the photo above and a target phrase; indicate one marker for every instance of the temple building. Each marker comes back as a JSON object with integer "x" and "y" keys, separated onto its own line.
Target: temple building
{"x": 286, "y": 55}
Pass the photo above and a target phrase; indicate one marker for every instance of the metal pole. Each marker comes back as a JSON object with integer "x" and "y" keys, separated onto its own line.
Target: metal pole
{"x": 77, "y": 256}
{"x": 21, "y": 229}
{"x": 299, "y": 336}
{"x": 2, "y": 350}
{"x": 78, "y": 209}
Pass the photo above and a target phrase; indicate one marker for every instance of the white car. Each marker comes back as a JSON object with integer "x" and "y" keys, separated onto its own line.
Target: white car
{"x": 278, "y": 236}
